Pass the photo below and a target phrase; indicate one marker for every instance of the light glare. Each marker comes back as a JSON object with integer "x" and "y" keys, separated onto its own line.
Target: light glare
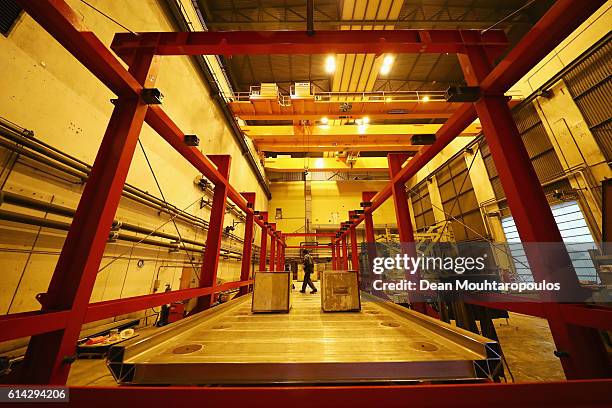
{"x": 330, "y": 64}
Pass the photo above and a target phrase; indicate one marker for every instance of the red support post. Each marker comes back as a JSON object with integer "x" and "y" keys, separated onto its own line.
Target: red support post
{"x": 333, "y": 249}
{"x": 400, "y": 200}
{"x": 273, "y": 248}
{"x": 338, "y": 254}
{"x": 279, "y": 254}
{"x": 48, "y": 357}
{"x": 367, "y": 196}
{"x": 354, "y": 247}
{"x": 583, "y": 353}
{"x": 344, "y": 253}
{"x": 210, "y": 264}
{"x": 263, "y": 245}
{"x": 247, "y": 249}
{"x": 402, "y": 214}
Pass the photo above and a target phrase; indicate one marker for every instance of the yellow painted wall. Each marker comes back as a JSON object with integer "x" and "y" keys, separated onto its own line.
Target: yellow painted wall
{"x": 331, "y": 202}
{"x": 45, "y": 89}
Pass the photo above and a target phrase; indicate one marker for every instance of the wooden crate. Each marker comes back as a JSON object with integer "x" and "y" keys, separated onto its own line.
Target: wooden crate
{"x": 271, "y": 292}
{"x": 340, "y": 291}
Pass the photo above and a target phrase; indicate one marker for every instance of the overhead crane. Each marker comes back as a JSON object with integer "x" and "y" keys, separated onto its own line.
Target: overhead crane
{"x": 65, "y": 306}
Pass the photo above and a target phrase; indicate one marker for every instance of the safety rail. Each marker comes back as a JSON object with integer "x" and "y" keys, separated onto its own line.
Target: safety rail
{"x": 371, "y": 96}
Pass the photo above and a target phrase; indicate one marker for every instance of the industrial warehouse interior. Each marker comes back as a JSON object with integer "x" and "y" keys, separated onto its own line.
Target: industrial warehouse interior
{"x": 306, "y": 202}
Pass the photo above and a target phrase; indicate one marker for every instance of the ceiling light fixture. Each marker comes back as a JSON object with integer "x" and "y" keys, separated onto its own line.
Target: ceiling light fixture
{"x": 385, "y": 68}
{"x": 330, "y": 64}
{"x": 324, "y": 120}
{"x": 425, "y": 98}
{"x": 366, "y": 120}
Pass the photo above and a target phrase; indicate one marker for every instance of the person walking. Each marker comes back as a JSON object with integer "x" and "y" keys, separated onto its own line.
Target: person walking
{"x": 308, "y": 270}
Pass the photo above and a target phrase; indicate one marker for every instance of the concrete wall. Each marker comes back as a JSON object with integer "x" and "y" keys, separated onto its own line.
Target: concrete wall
{"x": 46, "y": 90}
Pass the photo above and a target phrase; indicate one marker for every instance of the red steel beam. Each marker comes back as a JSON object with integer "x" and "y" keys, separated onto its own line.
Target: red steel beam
{"x": 263, "y": 245}
{"x": 560, "y": 20}
{"x": 307, "y": 246}
{"x": 582, "y": 352}
{"x": 56, "y": 17}
{"x": 279, "y": 255}
{"x": 214, "y": 236}
{"x": 110, "y": 308}
{"x": 77, "y": 268}
{"x": 247, "y": 250}
{"x": 344, "y": 253}
{"x": 310, "y": 234}
{"x": 299, "y": 42}
{"x": 592, "y": 394}
{"x": 354, "y": 248}
{"x": 367, "y": 196}
{"x": 333, "y": 257}
{"x": 273, "y": 247}
{"x": 18, "y": 325}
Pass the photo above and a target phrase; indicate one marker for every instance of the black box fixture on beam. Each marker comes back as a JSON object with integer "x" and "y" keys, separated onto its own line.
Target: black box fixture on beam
{"x": 191, "y": 140}
{"x": 462, "y": 94}
{"x": 420, "y": 140}
{"x": 359, "y": 212}
{"x": 152, "y": 96}
{"x": 365, "y": 204}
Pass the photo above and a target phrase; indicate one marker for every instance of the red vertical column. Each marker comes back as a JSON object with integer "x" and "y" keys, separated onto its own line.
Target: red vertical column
{"x": 210, "y": 264}
{"x": 354, "y": 247}
{"x": 333, "y": 249}
{"x": 338, "y": 254}
{"x": 367, "y": 196}
{"x": 344, "y": 253}
{"x": 400, "y": 200}
{"x": 370, "y": 239}
{"x": 263, "y": 245}
{"x": 48, "y": 357}
{"x": 402, "y": 214}
{"x": 279, "y": 254}
{"x": 247, "y": 249}
{"x": 273, "y": 247}
{"x": 582, "y": 352}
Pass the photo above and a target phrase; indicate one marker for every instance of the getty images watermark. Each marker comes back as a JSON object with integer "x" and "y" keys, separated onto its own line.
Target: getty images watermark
{"x": 457, "y": 265}
{"x": 560, "y": 272}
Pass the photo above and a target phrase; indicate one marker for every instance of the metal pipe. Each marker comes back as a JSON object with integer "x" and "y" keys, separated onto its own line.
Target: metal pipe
{"x": 63, "y": 162}
{"x": 27, "y": 202}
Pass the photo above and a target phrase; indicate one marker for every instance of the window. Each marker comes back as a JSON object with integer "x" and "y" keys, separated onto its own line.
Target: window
{"x": 575, "y": 233}
{"x": 9, "y": 12}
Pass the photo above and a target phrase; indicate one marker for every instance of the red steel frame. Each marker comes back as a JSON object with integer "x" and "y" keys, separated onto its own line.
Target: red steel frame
{"x": 263, "y": 246}
{"x": 55, "y": 328}
{"x": 581, "y": 393}
{"x": 247, "y": 251}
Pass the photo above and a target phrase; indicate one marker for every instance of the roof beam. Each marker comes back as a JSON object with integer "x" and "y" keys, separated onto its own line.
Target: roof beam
{"x": 298, "y": 42}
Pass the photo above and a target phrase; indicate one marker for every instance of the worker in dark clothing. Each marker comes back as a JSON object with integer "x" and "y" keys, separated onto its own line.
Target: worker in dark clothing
{"x": 308, "y": 269}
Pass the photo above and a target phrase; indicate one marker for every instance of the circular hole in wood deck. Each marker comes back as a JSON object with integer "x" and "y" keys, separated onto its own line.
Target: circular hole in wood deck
{"x": 221, "y": 326}
{"x": 186, "y": 349}
{"x": 390, "y": 323}
{"x": 423, "y": 346}
{"x": 373, "y": 312}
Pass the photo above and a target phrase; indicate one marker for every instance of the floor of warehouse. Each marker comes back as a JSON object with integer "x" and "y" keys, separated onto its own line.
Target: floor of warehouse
{"x": 526, "y": 342}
